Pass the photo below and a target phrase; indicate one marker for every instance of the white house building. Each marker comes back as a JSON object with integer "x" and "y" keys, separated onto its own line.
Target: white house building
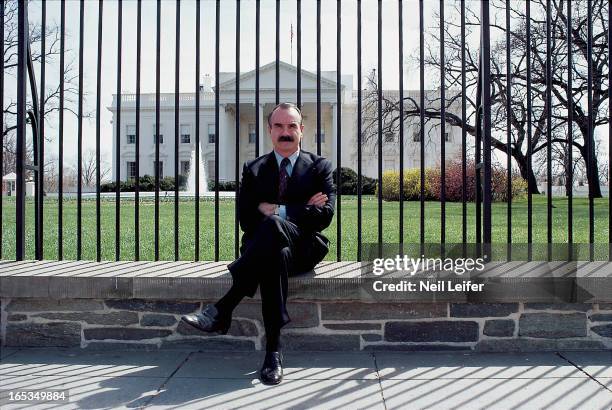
{"x": 246, "y": 148}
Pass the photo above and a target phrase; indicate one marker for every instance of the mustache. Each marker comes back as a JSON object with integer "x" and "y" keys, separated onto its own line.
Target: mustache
{"x": 288, "y": 138}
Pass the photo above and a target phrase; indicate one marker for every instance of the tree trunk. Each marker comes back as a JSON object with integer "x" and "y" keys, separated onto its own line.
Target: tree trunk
{"x": 526, "y": 174}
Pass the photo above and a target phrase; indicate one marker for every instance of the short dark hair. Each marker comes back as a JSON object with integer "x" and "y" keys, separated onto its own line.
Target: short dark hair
{"x": 284, "y": 106}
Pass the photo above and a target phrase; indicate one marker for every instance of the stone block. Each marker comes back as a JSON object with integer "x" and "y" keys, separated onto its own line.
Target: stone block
{"x": 605, "y": 306}
{"x": 119, "y": 333}
{"x": 482, "y": 309}
{"x": 352, "y": 326}
{"x": 603, "y": 330}
{"x": 536, "y": 345}
{"x": 302, "y": 314}
{"x": 162, "y": 306}
{"x": 121, "y": 346}
{"x": 204, "y": 344}
{"x": 552, "y": 325}
{"x": 108, "y": 318}
{"x": 54, "y": 305}
{"x": 499, "y": 328}
{"x": 153, "y": 319}
{"x": 578, "y": 307}
{"x": 442, "y": 331}
{"x": 601, "y": 317}
{"x": 371, "y": 337}
{"x": 238, "y": 328}
{"x": 300, "y": 341}
{"x": 16, "y": 317}
{"x": 381, "y": 311}
{"x": 63, "y": 334}
{"x": 415, "y": 348}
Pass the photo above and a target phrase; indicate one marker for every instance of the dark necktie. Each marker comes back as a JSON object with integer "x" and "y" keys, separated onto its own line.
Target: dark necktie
{"x": 283, "y": 180}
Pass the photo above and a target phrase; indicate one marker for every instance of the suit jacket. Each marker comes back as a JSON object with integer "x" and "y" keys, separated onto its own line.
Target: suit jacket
{"x": 310, "y": 174}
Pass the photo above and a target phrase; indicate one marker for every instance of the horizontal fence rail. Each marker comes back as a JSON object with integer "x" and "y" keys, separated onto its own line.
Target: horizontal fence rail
{"x": 519, "y": 88}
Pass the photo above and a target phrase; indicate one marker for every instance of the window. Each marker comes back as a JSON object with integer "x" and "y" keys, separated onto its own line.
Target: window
{"x": 160, "y": 167}
{"x": 389, "y": 137}
{"x": 161, "y": 135}
{"x": 211, "y": 133}
{"x": 252, "y": 134}
{"x": 185, "y": 168}
{"x": 447, "y": 137}
{"x": 131, "y": 170}
{"x": 130, "y": 132}
{"x": 185, "y": 134}
{"x": 389, "y": 164}
{"x": 322, "y": 135}
{"x": 416, "y": 137}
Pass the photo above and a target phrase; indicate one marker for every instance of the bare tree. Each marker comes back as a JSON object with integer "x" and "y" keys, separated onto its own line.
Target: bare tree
{"x": 518, "y": 116}
{"x": 89, "y": 167}
{"x": 52, "y": 92}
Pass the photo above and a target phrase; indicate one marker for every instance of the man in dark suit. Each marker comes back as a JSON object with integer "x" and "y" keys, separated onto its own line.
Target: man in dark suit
{"x": 286, "y": 199}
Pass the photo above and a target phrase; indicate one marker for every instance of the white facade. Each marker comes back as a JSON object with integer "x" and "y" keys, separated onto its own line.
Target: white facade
{"x": 267, "y": 96}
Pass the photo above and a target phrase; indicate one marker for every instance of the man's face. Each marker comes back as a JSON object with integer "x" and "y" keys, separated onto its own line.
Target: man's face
{"x": 285, "y": 131}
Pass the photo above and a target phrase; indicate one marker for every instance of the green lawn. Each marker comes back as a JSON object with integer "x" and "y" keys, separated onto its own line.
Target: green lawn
{"x": 226, "y": 226}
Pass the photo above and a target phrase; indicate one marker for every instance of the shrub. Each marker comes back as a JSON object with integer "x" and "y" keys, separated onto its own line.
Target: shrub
{"x": 146, "y": 184}
{"x": 348, "y": 185}
{"x": 412, "y": 184}
{"x": 453, "y": 183}
{"x": 223, "y": 185}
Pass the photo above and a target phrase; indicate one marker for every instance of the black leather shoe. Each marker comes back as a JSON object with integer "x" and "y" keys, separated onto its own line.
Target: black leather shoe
{"x": 271, "y": 372}
{"x": 209, "y": 320}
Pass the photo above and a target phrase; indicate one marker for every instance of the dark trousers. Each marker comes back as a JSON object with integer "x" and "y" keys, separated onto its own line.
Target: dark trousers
{"x": 267, "y": 259}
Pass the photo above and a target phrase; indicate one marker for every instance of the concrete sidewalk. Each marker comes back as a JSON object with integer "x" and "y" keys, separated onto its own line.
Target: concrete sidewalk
{"x": 392, "y": 380}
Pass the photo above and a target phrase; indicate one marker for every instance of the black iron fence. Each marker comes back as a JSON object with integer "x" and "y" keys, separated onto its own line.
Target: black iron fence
{"x": 27, "y": 85}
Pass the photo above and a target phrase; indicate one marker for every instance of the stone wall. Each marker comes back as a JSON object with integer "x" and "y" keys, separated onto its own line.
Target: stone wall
{"x": 316, "y": 325}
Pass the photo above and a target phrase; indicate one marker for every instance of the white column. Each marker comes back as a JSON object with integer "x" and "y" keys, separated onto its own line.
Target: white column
{"x": 230, "y": 156}
{"x": 263, "y": 134}
{"x": 334, "y": 141}
{"x": 223, "y": 142}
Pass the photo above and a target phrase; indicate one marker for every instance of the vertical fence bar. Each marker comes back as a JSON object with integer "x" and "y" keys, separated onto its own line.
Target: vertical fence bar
{"x": 277, "y": 61}
{"x": 118, "y": 125}
{"x": 197, "y": 136}
{"x": 156, "y": 165}
{"x": 401, "y": 117}
{"x": 1, "y": 117}
{"x": 609, "y": 133}
{"x": 339, "y": 129}
{"x": 299, "y": 55}
{"x": 22, "y": 52}
{"x": 80, "y": 131}
{"x": 318, "y": 77}
{"x": 257, "y": 122}
{"x": 422, "y": 115}
{"x": 380, "y": 126}
{"x": 590, "y": 139}
{"x": 137, "y": 171}
{"x": 237, "y": 136}
{"x": 549, "y": 207}
{"x": 359, "y": 136}
{"x": 98, "y": 108}
{"x": 177, "y": 65}
{"x": 570, "y": 136}
{"x": 529, "y": 134}
{"x": 41, "y": 127}
{"x": 442, "y": 130}
{"x": 60, "y": 132}
{"x": 486, "y": 103}
{"x": 508, "y": 135}
{"x": 463, "y": 133}
{"x": 217, "y": 38}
